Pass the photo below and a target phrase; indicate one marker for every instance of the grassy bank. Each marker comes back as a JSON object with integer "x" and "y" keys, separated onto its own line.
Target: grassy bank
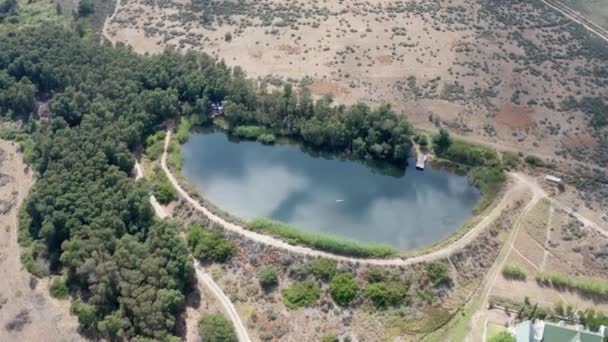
{"x": 482, "y": 165}
{"x": 327, "y": 243}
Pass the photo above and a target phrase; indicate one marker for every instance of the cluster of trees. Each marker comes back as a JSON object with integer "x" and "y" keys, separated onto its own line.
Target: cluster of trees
{"x": 356, "y": 130}
{"x": 16, "y": 97}
{"x": 210, "y": 245}
{"x": 85, "y": 218}
{"x": 216, "y": 328}
{"x": 7, "y": 9}
{"x": 484, "y": 168}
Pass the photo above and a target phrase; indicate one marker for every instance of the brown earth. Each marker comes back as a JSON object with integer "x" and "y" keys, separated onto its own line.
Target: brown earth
{"x": 27, "y": 312}
{"x": 516, "y": 117}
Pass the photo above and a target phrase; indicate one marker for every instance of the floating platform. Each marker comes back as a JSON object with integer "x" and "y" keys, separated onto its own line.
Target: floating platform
{"x": 420, "y": 161}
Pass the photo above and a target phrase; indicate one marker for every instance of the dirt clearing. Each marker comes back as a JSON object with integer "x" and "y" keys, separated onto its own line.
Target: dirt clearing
{"x": 27, "y": 312}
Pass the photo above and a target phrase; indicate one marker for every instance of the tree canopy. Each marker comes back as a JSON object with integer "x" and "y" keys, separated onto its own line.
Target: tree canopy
{"x": 86, "y": 107}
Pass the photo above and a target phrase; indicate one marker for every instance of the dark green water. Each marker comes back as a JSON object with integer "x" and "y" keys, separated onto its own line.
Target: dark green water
{"x": 340, "y": 197}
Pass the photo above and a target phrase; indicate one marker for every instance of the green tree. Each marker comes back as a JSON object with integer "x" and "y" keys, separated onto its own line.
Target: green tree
{"x": 216, "y": 328}
{"x": 85, "y": 8}
{"x": 113, "y": 326}
{"x": 210, "y": 245}
{"x": 8, "y": 7}
{"x": 441, "y": 141}
{"x": 343, "y": 288}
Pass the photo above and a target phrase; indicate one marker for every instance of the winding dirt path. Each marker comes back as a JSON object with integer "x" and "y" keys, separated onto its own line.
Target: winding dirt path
{"x": 514, "y": 189}
{"x": 201, "y": 274}
{"x": 578, "y": 18}
{"x": 204, "y": 278}
{"x": 106, "y": 24}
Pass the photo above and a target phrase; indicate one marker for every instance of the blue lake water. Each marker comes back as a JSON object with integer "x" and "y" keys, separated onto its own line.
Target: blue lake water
{"x": 346, "y": 198}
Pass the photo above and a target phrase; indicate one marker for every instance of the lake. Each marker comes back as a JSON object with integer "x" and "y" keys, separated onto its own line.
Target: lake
{"x": 406, "y": 209}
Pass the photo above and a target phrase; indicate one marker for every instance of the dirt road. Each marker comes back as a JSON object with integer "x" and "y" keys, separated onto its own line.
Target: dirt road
{"x": 515, "y": 188}
{"x": 27, "y": 312}
{"x": 204, "y": 278}
{"x": 201, "y": 274}
{"x": 577, "y": 18}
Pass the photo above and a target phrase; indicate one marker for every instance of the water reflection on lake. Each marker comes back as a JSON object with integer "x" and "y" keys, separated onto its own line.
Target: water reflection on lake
{"x": 346, "y": 198}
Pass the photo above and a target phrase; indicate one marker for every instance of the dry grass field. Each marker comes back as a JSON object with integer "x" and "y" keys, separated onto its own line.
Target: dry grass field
{"x": 27, "y": 311}
{"x": 511, "y": 72}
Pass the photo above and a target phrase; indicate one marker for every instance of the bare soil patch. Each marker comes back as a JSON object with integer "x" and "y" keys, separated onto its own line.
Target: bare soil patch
{"x": 27, "y": 312}
{"x": 515, "y": 116}
{"x": 326, "y": 87}
{"x": 494, "y": 60}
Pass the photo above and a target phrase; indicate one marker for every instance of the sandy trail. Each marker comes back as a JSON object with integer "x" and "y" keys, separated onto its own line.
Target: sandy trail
{"x": 578, "y": 18}
{"x": 47, "y": 319}
{"x": 204, "y": 278}
{"x": 514, "y": 189}
{"x": 104, "y": 30}
{"x": 201, "y": 274}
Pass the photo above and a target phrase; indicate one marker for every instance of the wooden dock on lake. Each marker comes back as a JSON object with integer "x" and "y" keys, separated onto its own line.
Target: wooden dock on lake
{"x": 420, "y": 161}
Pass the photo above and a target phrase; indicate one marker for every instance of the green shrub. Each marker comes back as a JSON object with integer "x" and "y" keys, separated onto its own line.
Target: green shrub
{"x": 510, "y": 161}
{"x": 156, "y": 137}
{"x": 534, "y": 161}
{"x": 323, "y": 268}
{"x": 386, "y": 293}
{"x": 183, "y": 129}
{"x": 58, "y": 288}
{"x": 343, "y": 288}
{"x": 155, "y": 150}
{"x": 249, "y": 132}
{"x": 438, "y": 274}
{"x": 376, "y": 274}
{"x": 305, "y": 293}
{"x": 176, "y": 157}
{"x": 514, "y": 272}
{"x": 162, "y": 189}
{"x": 322, "y": 242}
{"x": 470, "y": 154}
{"x": 210, "y": 245}
{"x": 559, "y": 308}
{"x": 489, "y": 180}
{"x": 267, "y": 138}
{"x": 216, "y": 328}
{"x": 330, "y": 338}
{"x": 267, "y": 277}
{"x": 503, "y": 336}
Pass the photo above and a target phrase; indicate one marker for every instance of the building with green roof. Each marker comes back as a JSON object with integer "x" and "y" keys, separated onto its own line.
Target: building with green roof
{"x": 541, "y": 331}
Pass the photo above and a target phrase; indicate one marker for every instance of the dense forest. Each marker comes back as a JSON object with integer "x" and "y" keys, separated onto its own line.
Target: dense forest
{"x": 84, "y": 107}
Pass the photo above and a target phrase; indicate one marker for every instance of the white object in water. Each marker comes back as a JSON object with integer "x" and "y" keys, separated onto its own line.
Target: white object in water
{"x": 338, "y": 201}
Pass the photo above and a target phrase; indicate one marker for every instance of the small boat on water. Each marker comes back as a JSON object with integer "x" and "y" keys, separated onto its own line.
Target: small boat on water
{"x": 338, "y": 201}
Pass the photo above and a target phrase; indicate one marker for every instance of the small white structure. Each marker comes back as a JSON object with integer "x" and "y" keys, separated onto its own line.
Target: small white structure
{"x": 553, "y": 179}
{"x": 420, "y": 161}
